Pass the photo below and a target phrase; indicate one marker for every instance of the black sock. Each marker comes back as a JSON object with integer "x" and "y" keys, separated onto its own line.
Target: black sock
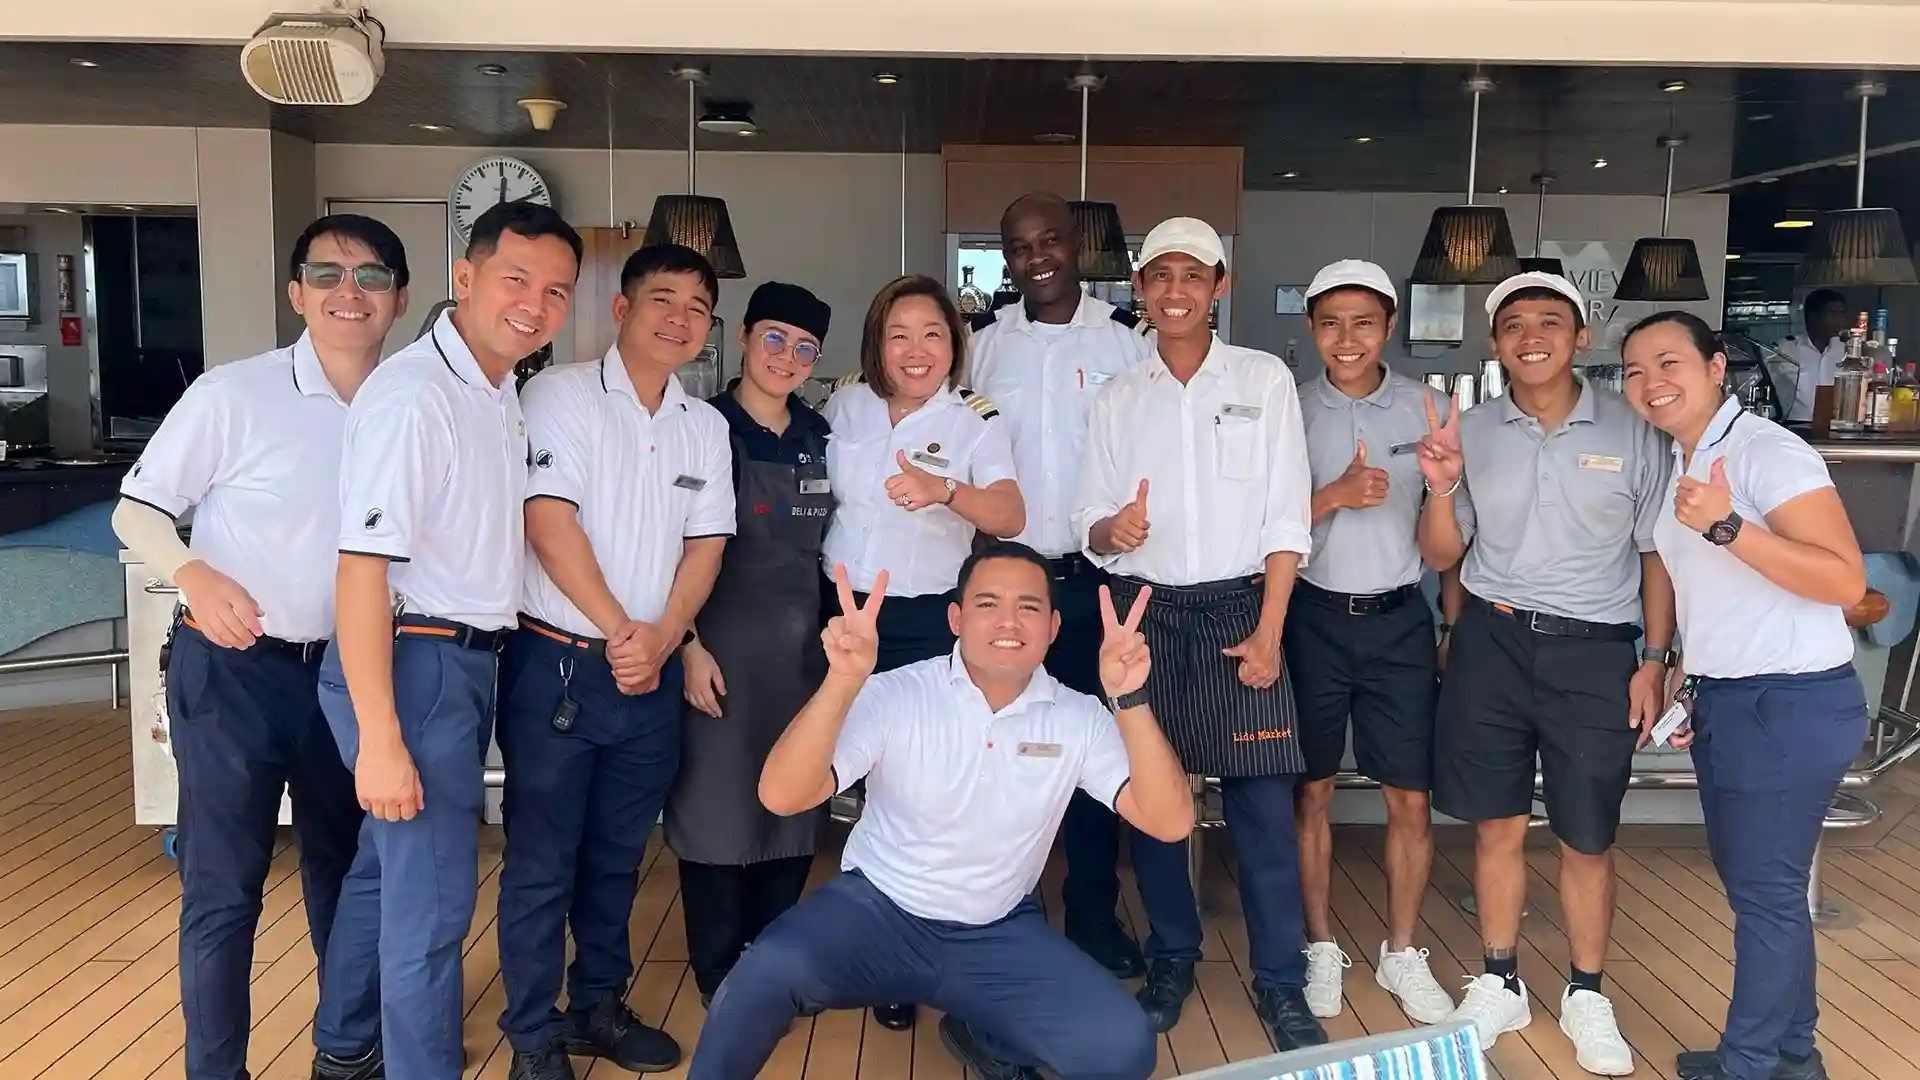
{"x": 1583, "y": 980}
{"x": 1504, "y": 963}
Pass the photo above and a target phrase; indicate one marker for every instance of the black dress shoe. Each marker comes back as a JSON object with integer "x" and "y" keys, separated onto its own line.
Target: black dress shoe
{"x": 895, "y": 1017}
{"x": 611, "y": 1031}
{"x": 550, "y": 1062}
{"x": 1702, "y": 1065}
{"x": 1291, "y": 1024}
{"x": 967, "y": 1050}
{"x": 371, "y": 1065}
{"x": 1112, "y": 947}
{"x": 1168, "y": 984}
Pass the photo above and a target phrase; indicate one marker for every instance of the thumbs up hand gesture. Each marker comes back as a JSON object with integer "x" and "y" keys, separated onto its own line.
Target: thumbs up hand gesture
{"x": 1126, "y": 529}
{"x": 1360, "y": 487}
{"x": 1700, "y": 503}
{"x": 914, "y": 488}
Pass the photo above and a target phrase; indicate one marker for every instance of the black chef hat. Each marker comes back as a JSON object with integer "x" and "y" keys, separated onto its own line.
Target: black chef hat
{"x": 789, "y": 304}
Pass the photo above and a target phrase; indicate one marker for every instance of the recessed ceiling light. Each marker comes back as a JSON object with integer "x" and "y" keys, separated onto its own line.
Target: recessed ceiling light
{"x": 1503, "y": 189}
{"x": 1288, "y": 175}
{"x": 491, "y": 69}
{"x": 57, "y": 209}
{"x": 1599, "y": 163}
{"x": 1759, "y": 116}
{"x": 124, "y": 206}
{"x": 886, "y": 78}
{"x": 731, "y": 121}
{"x": 1732, "y": 255}
{"x": 1769, "y": 179}
{"x": 1053, "y": 137}
{"x": 431, "y": 127}
{"x": 1673, "y": 86}
{"x": 1794, "y": 223}
{"x": 1363, "y": 139}
{"x": 83, "y": 62}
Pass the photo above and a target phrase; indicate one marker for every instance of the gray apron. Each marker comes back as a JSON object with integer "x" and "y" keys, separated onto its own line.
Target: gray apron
{"x": 762, "y": 625}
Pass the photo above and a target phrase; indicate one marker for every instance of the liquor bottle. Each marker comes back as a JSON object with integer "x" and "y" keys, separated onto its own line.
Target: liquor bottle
{"x": 1879, "y": 411}
{"x": 1006, "y": 293}
{"x": 1850, "y": 381}
{"x": 973, "y": 301}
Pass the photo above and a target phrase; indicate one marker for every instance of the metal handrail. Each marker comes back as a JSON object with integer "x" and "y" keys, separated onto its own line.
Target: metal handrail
{"x": 113, "y": 658}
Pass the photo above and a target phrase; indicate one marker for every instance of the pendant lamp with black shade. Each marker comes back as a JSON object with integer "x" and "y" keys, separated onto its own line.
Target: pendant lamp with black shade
{"x": 1862, "y": 246}
{"x": 1103, "y": 242}
{"x": 1663, "y": 269}
{"x": 696, "y": 221}
{"x": 1468, "y": 245}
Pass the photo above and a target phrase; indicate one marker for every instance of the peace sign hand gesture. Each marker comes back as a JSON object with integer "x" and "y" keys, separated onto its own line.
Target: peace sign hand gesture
{"x": 852, "y": 638}
{"x": 1440, "y": 458}
{"x": 1124, "y": 660}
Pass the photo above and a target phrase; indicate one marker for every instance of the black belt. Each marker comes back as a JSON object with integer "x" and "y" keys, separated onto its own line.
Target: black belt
{"x": 454, "y": 633}
{"x": 1357, "y": 603}
{"x": 307, "y": 651}
{"x": 1072, "y": 564}
{"x": 590, "y": 646}
{"x": 1559, "y": 626}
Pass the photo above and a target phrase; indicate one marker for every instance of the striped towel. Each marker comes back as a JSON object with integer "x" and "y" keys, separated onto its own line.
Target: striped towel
{"x": 1426, "y": 1054}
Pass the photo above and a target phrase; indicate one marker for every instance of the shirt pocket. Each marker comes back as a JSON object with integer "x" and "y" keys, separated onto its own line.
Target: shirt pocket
{"x": 1238, "y": 453}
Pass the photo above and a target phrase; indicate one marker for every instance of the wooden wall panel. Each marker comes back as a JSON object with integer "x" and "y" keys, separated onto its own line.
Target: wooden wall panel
{"x": 1148, "y": 183}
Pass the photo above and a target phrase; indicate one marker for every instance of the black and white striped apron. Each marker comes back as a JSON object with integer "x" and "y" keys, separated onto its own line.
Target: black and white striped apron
{"x": 1217, "y": 724}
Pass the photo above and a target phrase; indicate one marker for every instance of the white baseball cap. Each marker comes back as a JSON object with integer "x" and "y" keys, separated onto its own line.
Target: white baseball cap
{"x": 1188, "y": 236}
{"x": 1537, "y": 279}
{"x": 1353, "y": 273}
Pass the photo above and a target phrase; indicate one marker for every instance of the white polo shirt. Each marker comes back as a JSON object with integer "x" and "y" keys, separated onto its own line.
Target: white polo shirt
{"x": 957, "y": 434}
{"x": 643, "y": 483}
{"x": 432, "y": 476}
{"x": 253, "y": 448}
{"x": 1817, "y": 369}
{"x": 1733, "y": 621}
{"x": 1043, "y": 377}
{"x": 962, "y": 803}
{"x": 1225, "y": 457}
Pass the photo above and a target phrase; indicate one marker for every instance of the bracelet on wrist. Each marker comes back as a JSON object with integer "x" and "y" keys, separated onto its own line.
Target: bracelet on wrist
{"x": 1443, "y": 494}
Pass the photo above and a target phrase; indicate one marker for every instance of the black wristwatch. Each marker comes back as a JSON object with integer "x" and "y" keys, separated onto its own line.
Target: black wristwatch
{"x": 1666, "y": 658}
{"x": 1131, "y": 700}
{"x": 1722, "y": 532}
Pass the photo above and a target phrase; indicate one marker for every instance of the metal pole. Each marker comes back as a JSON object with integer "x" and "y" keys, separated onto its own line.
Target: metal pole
{"x": 1086, "y": 92}
{"x": 903, "y": 188}
{"x": 692, "y": 91}
{"x": 1473, "y": 148}
{"x": 1860, "y": 171}
{"x": 1666, "y": 203}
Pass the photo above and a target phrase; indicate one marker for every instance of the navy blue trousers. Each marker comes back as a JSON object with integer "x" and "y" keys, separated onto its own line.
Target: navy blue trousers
{"x": 1030, "y": 994}
{"x": 246, "y": 725}
{"x": 578, "y": 808}
{"x": 1090, "y": 832}
{"x": 1259, "y": 819}
{"x": 1770, "y": 751}
{"x": 408, "y": 902}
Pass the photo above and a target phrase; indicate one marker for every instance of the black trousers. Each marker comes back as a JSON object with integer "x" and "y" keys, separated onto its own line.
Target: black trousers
{"x": 728, "y": 906}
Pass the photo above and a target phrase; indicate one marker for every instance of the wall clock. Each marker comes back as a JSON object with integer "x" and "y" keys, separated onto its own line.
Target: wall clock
{"x": 489, "y": 182}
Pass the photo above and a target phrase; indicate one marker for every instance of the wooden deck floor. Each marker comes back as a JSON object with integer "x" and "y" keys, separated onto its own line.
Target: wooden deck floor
{"x": 89, "y": 910}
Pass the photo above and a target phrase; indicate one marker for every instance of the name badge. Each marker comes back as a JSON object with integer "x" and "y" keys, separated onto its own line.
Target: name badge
{"x": 1099, "y": 378}
{"x": 691, "y": 483}
{"x": 921, "y": 457}
{"x": 1676, "y": 717}
{"x": 1040, "y": 749}
{"x": 822, "y": 486}
{"x": 1601, "y": 463}
{"x": 1241, "y": 412}
{"x": 1403, "y": 448}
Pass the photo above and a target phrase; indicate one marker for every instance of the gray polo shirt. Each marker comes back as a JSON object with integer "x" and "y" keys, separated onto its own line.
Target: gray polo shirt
{"x": 1558, "y": 521}
{"x": 1377, "y": 549}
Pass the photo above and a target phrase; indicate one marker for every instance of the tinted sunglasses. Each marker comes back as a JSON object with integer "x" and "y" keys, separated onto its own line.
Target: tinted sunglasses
{"x": 776, "y": 342}
{"x": 370, "y": 277}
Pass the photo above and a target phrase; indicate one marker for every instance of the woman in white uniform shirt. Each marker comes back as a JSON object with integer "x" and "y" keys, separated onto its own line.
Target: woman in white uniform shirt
{"x": 918, "y": 466}
{"x": 1764, "y": 564}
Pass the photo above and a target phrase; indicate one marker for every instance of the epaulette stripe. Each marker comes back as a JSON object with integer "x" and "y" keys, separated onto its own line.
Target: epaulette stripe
{"x": 979, "y": 403}
{"x": 849, "y": 380}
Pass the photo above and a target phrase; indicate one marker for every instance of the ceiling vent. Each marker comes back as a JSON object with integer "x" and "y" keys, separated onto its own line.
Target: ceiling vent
{"x": 330, "y": 57}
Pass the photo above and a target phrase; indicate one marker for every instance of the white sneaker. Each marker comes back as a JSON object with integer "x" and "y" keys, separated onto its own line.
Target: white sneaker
{"x": 1587, "y": 1019}
{"x": 1325, "y": 962}
{"x": 1493, "y": 1009}
{"x": 1406, "y": 976}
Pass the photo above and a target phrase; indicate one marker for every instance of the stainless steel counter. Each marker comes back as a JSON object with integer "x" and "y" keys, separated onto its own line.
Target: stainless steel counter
{"x": 1901, "y": 449}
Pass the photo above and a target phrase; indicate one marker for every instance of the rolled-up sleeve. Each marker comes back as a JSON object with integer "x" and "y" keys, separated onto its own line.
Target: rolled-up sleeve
{"x": 559, "y": 438}
{"x": 179, "y": 464}
{"x": 395, "y": 458}
{"x": 1288, "y": 525}
{"x": 863, "y": 736}
{"x": 1100, "y": 495}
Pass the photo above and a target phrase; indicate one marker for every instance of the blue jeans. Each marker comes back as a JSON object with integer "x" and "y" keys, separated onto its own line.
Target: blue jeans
{"x": 1770, "y": 751}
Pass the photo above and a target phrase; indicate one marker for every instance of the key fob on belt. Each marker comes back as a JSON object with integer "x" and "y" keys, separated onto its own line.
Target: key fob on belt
{"x": 563, "y": 716}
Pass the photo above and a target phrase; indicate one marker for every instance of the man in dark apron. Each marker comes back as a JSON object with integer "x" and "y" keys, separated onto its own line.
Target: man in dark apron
{"x": 756, "y": 658}
{"x": 1211, "y": 433}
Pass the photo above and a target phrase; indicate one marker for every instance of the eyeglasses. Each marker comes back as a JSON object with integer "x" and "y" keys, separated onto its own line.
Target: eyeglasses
{"x": 776, "y": 342}
{"x": 371, "y": 277}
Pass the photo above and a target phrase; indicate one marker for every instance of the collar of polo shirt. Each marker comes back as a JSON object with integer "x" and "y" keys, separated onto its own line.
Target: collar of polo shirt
{"x": 1157, "y": 367}
{"x": 309, "y": 377}
{"x": 1718, "y": 428}
{"x": 615, "y": 380}
{"x": 1087, "y": 314}
{"x": 1583, "y": 406}
{"x": 1040, "y": 687}
{"x": 1382, "y": 395}
{"x": 459, "y": 359}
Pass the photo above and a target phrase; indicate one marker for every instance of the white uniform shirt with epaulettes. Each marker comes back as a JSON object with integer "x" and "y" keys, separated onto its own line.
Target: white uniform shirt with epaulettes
{"x": 1557, "y": 521}
{"x": 1734, "y": 623}
{"x": 433, "y": 472}
{"x": 1375, "y": 550}
{"x": 1043, "y": 377}
{"x": 643, "y": 483}
{"x": 957, "y": 434}
{"x": 253, "y": 449}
